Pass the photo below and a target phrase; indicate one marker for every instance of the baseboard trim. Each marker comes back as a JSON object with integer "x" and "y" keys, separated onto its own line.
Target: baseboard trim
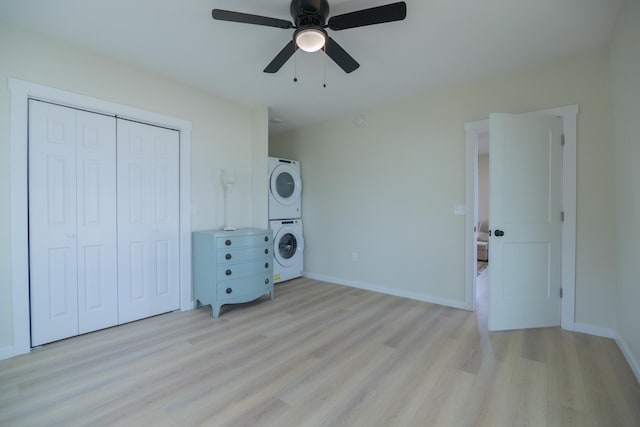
{"x": 7, "y": 352}
{"x": 388, "y": 291}
{"x": 598, "y": 331}
{"x": 631, "y": 360}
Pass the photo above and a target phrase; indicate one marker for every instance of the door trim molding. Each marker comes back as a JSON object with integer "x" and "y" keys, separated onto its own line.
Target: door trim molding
{"x": 569, "y": 179}
{"x": 21, "y": 91}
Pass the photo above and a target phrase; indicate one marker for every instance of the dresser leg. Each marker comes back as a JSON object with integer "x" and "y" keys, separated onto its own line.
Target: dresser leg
{"x": 215, "y": 308}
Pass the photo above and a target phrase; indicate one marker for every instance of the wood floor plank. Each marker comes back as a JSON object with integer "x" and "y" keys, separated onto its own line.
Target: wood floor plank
{"x": 607, "y": 401}
{"x": 414, "y": 390}
{"x": 534, "y": 346}
{"x": 565, "y": 387}
{"x": 559, "y": 415}
{"x": 486, "y": 402}
{"x": 527, "y": 401}
{"x": 443, "y": 402}
{"x": 321, "y": 354}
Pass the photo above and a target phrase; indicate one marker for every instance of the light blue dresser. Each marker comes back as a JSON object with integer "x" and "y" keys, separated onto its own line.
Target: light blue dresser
{"x": 231, "y": 267}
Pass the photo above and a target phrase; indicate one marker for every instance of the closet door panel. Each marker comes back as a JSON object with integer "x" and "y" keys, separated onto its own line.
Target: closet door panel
{"x": 148, "y": 221}
{"x": 134, "y": 197}
{"x": 52, "y": 222}
{"x": 97, "y": 252}
{"x": 165, "y": 220}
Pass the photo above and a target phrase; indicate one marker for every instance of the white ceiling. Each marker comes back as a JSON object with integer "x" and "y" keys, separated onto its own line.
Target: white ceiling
{"x": 441, "y": 43}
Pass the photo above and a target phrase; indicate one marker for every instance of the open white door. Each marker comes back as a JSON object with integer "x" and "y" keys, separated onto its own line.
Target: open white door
{"x": 525, "y": 218}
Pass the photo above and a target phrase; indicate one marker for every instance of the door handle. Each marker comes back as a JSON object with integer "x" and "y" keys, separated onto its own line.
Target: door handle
{"x": 498, "y": 233}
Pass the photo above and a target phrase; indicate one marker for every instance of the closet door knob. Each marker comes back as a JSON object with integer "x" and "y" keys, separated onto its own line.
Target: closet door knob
{"x": 498, "y": 233}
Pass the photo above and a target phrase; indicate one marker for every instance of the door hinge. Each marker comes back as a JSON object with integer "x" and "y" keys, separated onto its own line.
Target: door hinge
{"x": 562, "y": 216}
{"x": 562, "y": 140}
{"x": 561, "y": 293}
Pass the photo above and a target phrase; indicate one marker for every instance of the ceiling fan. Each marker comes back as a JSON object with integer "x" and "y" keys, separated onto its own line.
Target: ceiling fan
{"x": 310, "y": 18}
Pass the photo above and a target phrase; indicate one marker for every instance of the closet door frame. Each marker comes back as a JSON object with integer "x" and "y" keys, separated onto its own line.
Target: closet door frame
{"x": 21, "y": 91}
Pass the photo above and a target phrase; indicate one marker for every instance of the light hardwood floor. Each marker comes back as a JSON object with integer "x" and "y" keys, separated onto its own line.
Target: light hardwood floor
{"x": 322, "y": 355}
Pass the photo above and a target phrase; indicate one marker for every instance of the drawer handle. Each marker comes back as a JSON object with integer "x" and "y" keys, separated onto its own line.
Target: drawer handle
{"x": 266, "y": 251}
{"x": 228, "y": 272}
{"x": 266, "y": 281}
{"x": 228, "y": 243}
{"x": 227, "y": 256}
{"x": 266, "y": 265}
{"x": 266, "y": 238}
{"x": 229, "y": 290}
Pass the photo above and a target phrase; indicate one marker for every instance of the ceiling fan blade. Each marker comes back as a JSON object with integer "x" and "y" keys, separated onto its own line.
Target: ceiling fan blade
{"x": 340, "y": 56}
{"x": 375, "y": 15}
{"x": 245, "y": 18}
{"x": 281, "y": 58}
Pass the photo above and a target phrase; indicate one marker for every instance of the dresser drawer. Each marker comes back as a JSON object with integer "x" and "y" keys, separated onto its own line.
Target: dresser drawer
{"x": 242, "y": 241}
{"x": 250, "y": 268}
{"x": 240, "y": 254}
{"x": 231, "y": 289}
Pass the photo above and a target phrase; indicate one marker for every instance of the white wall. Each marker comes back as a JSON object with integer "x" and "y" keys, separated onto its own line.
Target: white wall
{"x": 260, "y": 167}
{"x": 483, "y": 187}
{"x": 224, "y": 134}
{"x": 388, "y": 189}
{"x": 625, "y": 104}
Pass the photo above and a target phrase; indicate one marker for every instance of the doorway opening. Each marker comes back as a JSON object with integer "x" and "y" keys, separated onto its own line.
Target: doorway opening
{"x": 482, "y": 206}
{"x": 479, "y": 130}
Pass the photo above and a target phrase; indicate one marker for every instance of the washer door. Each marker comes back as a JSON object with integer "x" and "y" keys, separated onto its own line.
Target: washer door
{"x": 285, "y": 184}
{"x": 288, "y": 246}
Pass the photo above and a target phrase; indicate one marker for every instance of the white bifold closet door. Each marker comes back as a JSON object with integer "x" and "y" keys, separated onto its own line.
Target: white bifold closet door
{"x": 148, "y": 220}
{"x": 103, "y": 221}
{"x": 72, "y": 222}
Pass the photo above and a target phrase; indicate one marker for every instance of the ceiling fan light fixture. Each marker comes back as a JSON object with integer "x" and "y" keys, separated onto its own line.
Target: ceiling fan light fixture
{"x": 310, "y": 39}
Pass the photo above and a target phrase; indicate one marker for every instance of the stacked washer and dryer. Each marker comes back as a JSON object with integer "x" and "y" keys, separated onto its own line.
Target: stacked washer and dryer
{"x": 285, "y": 218}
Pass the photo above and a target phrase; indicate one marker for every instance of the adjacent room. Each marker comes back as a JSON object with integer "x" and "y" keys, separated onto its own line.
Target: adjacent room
{"x": 462, "y": 248}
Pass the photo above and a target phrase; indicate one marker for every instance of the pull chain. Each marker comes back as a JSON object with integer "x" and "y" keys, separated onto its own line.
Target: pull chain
{"x": 295, "y": 66}
{"x": 324, "y": 66}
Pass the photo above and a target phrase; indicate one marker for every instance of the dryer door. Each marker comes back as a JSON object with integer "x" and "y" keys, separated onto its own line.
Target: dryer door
{"x": 285, "y": 184}
{"x": 288, "y": 246}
